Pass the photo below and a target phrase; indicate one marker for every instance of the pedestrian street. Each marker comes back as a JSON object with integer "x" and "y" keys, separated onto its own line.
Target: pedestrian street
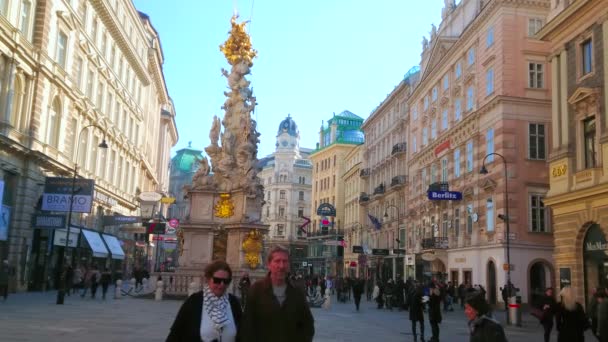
{"x": 36, "y": 317}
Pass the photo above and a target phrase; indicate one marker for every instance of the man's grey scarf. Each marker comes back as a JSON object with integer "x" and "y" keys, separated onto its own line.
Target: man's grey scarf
{"x": 216, "y": 307}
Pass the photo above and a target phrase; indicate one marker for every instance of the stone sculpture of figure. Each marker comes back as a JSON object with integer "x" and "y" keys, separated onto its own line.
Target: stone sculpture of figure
{"x": 433, "y": 31}
{"x": 425, "y": 43}
{"x": 214, "y": 133}
{"x": 201, "y": 177}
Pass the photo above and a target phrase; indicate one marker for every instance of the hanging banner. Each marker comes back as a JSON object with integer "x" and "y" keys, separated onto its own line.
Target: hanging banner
{"x": 5, "y": 219}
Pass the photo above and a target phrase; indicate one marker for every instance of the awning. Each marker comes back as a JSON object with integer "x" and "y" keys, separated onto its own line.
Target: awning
{"x": 96, "y": 243}
{"x": 114, "y": 246}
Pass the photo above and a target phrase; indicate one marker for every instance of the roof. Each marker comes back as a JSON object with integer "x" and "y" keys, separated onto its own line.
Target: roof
{"x": 349, "y": 115}
{"x": 186, "y": 159}
{"x": 288, "y": 126}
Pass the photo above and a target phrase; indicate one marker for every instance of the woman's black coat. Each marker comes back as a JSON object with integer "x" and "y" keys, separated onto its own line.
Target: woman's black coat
{"x": 187, "y": 325}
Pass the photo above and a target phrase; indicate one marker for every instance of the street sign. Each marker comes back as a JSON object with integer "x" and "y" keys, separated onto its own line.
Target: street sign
{"x": 444, "y": 195}
{"x": 58, "y": 194}
{"x": 358, "y": 249}
{"x": 115, "y": 220}
{"x": 380, "y": 251}
{"x": 173, "y": 223}
{"x": 45, "y": 221}
{"x": 167, "y": 200}
{"x": 398, "y": 251}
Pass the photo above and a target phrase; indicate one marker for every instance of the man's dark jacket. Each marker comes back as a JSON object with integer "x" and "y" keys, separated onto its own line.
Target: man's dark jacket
{"x": 187, "y": 325}
{"x": 267, "y": 321}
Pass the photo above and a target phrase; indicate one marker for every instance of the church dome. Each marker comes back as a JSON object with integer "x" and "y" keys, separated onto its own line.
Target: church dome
{"x": 187, "y": 159}
{"x": 288, "y": 126}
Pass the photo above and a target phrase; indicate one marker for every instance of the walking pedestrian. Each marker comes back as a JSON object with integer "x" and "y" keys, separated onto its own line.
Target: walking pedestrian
{"x": 357, "y": 291}
{"x": 210, "y": 314}
{"x": 77, "y": 279}
{"x": 416, "y": 311}
{"x": 94, "y": 280}
{"x": 435, "y": 313}
{"x": 547, "y": 308}
{"x": 597, "y": 295}
{"x": 4, "y": 273}
{"x": 462, "y": 292}
{"x": 482, "y": 326}
{"x": 69, "y": 279}
{"x": 275, "y": 310}
{"x": 105, "y": 280}
{"x": 571, "y": 318}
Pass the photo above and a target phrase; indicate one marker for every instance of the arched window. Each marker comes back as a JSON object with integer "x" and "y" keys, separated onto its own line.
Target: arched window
{"x": 54, "y": 123}
{"x": 17, "y": 110}
{"x": 82, "y": 147}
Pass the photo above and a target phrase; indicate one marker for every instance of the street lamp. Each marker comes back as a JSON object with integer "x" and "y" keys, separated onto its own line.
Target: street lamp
{"x": 505, "y": 217}
{"x": 63, "y": 273}
{"x": 386, "y": 219}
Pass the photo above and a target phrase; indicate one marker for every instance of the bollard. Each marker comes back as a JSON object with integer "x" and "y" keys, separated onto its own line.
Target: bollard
{"x": 132, "y": 284}
{"x": 145, "y": 284}
{"x": 193, "y": 288}
{"x": 118, "y": 289}
{"x": 159, "y": 291}
{"x": 514, "y": 311}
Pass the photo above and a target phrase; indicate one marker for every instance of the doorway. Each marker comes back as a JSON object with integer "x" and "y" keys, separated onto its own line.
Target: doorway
{"x": 491, "y": 282}
{"x": 538, "y": 282}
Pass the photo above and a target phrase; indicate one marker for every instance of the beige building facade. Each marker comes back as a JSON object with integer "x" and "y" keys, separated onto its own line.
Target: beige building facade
{"x": 354, "y": 229}
{"x": 578, "y": 34}
{"x": 72, "y": 74}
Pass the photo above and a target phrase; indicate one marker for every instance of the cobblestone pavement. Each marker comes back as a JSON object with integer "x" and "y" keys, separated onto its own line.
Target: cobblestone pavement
{"x": 36, "y": 317}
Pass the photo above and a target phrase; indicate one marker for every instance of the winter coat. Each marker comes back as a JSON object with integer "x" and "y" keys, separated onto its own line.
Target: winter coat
{"x": 486, "y": 329}
{"x": 435, "y": 307}
{"x": 187, "y": 324}
{"x": 549, "y": 313}
{"x": 571, "y": 325}
{"x": 416, "y": 307}
{"x": 268, "y": 321}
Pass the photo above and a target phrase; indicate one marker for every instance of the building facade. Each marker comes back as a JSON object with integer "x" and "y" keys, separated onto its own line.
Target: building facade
{"x": 75, "y": 74}
{"x": 483, "y": 101}
{"x": 354, "y": 229}
{"x": 385, "y": 175}
{"x": 287, "y": 179}
{"x": 336, "y": 140}
{"x": 578, "y": 196}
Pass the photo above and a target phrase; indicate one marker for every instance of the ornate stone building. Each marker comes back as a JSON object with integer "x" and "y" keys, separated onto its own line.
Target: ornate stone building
{"x": 336, "y": 140}
{"x": 484, "y": 90}
{"x": 354, "y": 231}
{"x": 287, "y": 178}
{"x": 578, "y": 34}
{"x": 73, "y": 73}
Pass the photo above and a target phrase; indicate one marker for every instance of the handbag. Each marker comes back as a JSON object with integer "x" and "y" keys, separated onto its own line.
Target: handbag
{"x": 538, "y": 313}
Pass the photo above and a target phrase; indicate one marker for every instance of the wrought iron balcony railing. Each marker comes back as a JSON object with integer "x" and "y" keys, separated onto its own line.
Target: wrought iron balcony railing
{"x": 435, "y": 243}
{"x": 399, "y": 148}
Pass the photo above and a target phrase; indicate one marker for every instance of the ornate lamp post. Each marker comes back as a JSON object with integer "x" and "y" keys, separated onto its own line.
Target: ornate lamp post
{"x": 506, "y": 217}
{"x": 386, "y": 219}
{"x": 63, "y": 273}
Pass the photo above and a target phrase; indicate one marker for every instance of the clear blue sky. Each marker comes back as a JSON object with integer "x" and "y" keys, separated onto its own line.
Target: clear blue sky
{"x": 315, "y": 57}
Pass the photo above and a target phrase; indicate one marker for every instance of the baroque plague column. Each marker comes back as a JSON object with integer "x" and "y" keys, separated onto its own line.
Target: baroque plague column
{"x": 226, "y": 198}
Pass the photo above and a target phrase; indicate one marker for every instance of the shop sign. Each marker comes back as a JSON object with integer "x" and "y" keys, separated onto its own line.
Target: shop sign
{"x": 595, "y": 241}
{"x": 460, "y": 260}
{"x": 380, "y": 251}
{"x": 565, "y": 277}
{"x": 398, "y": 251}
{"x": 48, "y": 221}
{"x": 428, "y": 256}
{"x": 103, "y": 198}
{"x": 326, "y": 209}
{"x": 115, "y": 220}
{"x": 167, "y": 200}
{"x": 596, "y": 246}
{"x": 58, "y": 195}
{"x": 410, "y": 259}
{"x": 150, "y": 196}
{"x": 444, "y": 195}
{"x": 358, "y": 249}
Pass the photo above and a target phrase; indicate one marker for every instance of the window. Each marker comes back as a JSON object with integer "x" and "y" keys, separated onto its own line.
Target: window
{"x": 490, "y": 37}
{"x": 433, "y": 173}
{"x": 489, "y": 81}
{"x": 458, "y": 70}
{"x": 489, "y": 215}
{"x": 18, "y": 104}
{"x": 3, "y": 4}
{"x": 434, "y": 129}
{"x": 425, "y": 136}
{"x": 402, "y": 238}
{"x": 444, "y": 169}
{"x": 471, "y": 56}
{"x": 424, "y": 180}
{"x": 281, "y": 211}
{"x": 490, "y": 144}
{"x": 426, "y": 103}
{"x": 534, "y": 25}
{"x": 282, "y": 194}
{"x": 457, "y": 163}
{"x": 54, "y": 123}
{"x": 434, "y": 94}
{"x": 457, "y": 222}
{"x": 470, "y": 156}
{"x": 587, "y": 57}
{"x": 99, "y": 100}
{"x": 94, "y": 30}
{"x": 446, "y": 82}
{"x": 535, "y": 75}
{"x": 78, "y": 65}
{"x": 538, "y": 219}
{"x": 444, "y": 119}
{"x": 268, "y": 195}
{"x": 25, "y": 22}
{"x": 414, "y": 113}
{"x": 589, "y": 136}
{"x": 536, "y": 141}
{"x": 90, "y": 78}
{"x": 469, "y": 219}
{"x": 301, "y": 195}
{"x": 61, "y": 49}
{"x": 470, "y": 98}
{"x": 280, "y": 229}
{"x": 457, "y": 109}
{"x": 414, "y": 145}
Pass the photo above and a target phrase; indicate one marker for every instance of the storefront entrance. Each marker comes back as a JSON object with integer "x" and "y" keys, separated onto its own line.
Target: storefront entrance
{"x": 491, "y": 284}
{"x": 595, "y": 259}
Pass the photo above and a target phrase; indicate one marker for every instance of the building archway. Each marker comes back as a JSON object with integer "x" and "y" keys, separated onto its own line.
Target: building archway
{"x": 491, "y": 282}
{"x": 540, "y": 277}
{"x": 595, "y": 260}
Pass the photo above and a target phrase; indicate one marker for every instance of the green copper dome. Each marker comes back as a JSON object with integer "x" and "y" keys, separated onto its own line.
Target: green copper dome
{"x": 187, "y": 159}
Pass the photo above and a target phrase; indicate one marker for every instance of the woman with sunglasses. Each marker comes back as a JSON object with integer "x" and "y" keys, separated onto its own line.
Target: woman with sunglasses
{"x": 210, "y": 315}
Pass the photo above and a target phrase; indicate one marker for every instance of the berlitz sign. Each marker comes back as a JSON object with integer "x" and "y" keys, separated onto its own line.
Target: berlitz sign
{"x": 444, "y": 195}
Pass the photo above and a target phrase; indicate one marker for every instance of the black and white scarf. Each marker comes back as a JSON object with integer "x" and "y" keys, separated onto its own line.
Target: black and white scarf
{"x": 216, "y": 307}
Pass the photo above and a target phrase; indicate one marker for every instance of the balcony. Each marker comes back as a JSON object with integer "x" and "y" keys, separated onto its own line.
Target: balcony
{"x": 364, "y": 173}
{"x": 439, "y": 186}
{"x": 398, "y": 149}
{"x": 379, "y": 190}
{"x": 398, "y": 181}
{"x": 363, "y": 197}
{"x": 435, "y": 243}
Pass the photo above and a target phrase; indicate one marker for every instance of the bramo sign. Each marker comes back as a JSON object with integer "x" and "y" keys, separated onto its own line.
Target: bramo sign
{"x": 57, "y": 194}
